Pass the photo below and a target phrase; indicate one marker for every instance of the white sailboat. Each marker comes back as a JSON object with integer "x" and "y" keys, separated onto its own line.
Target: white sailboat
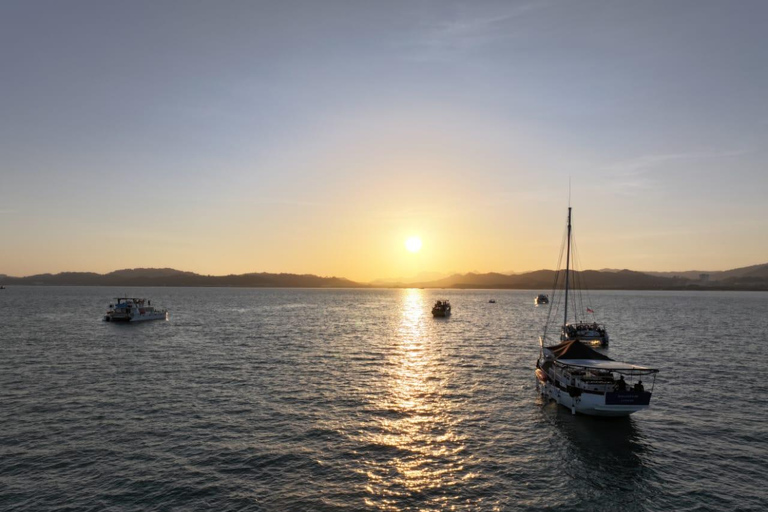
{"x": 584, "y": 380}
{"x": 591, "y": 333}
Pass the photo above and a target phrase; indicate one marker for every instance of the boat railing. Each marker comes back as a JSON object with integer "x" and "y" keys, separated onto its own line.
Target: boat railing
{"x": 604, "y": 381}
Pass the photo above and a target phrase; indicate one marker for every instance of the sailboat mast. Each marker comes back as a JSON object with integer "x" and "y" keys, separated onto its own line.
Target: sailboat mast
{"x": 567, "y": 267}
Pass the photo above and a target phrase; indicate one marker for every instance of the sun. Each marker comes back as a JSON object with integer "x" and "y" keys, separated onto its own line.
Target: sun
{"x": 413, "y": 244}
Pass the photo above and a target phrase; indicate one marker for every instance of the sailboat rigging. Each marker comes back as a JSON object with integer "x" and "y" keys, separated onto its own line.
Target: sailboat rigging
{"x": 582, "y": 379}
{"x": 589, "y": 332}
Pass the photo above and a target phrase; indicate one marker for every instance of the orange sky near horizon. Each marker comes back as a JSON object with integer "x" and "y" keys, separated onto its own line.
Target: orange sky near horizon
{"x": 273, "y": 137}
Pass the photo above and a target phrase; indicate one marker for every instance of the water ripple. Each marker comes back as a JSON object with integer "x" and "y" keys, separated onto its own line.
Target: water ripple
{"x": 360, "y": 400}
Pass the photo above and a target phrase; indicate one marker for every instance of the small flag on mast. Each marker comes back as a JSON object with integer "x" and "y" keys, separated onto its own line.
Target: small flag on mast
{"x": 589, "y": 311}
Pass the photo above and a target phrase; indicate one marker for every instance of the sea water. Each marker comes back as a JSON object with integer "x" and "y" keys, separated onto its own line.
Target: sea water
{"x": 286, "y": 399}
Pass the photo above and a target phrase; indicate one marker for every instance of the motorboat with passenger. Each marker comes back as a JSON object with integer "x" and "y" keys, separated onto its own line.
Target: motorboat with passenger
{"x": 442, "y": 308}
{"x": 588, "y": 382}
{"x": 541, "y": 299}
{"x": 130, "y": 309}
{"x": 590, "y": 333}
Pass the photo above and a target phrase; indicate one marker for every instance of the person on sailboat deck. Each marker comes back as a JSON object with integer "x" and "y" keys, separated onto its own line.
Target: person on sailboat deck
{"x": 639, "y": 387}
{"x": 621, "y": 384}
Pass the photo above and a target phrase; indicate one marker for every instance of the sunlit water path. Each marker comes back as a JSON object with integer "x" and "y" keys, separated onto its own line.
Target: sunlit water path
{"x": 360, "y": 400}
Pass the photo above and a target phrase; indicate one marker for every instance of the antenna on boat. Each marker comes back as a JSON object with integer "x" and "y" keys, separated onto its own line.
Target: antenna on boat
{"x": 568, "y": 256}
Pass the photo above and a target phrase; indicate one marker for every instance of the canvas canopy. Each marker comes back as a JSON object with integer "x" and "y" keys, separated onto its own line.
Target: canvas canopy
{"x": 576, "y": 350}
{"x": 614, "y": 366}
{"x": 576, "y": 354}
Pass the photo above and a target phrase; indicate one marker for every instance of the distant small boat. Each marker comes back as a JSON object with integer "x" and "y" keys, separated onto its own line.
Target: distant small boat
{"x": 442, "y": 308}
{"x": 128, "y": 309}
{"x": 541, "y": 299}
{"x": 491, "y": 301}
{"x": 2, "y": 287}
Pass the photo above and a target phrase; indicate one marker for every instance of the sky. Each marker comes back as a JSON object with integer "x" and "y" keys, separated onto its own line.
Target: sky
{"x": 316, "y": 137}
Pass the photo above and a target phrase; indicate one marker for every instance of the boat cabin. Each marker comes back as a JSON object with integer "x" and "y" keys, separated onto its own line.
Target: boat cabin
{"x": 127, "y": 309}
{"x": 573, "y": 372}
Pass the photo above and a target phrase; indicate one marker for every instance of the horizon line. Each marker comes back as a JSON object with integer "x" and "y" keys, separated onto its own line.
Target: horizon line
{"x": 393, "y": 281}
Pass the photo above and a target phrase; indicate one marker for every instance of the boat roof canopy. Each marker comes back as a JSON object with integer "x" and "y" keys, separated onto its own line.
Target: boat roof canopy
{"x": 576, "y": 354}
{"x": 574, "y": 349}
{"x": 614, "y": 366}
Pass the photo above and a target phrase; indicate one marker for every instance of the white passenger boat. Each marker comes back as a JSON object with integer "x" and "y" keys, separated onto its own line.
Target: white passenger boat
{"x": 442, "y": 308}
{"x": 588, "y": 382}
{"x": 128, "y": 309}
{"x": 582, "y": 379}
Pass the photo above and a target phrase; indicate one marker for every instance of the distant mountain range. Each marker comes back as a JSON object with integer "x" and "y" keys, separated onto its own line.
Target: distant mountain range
{"x": 172, "y": 277}
{"x": 747, "y": 278}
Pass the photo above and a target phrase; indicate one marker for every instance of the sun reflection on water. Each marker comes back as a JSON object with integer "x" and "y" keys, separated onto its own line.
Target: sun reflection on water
{"x": 422, "y": 453}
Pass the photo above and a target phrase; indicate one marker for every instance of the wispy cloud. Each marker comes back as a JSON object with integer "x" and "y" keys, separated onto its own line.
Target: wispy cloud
{"x": 645, "y": 163}
{"x": 437, "y": 40}
{"x": 635, "y": 175}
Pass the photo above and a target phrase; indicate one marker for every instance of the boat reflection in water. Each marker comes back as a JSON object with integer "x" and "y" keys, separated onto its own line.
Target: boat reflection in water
{"x": 603, "y": 456}
{"x": 419, "y": 453}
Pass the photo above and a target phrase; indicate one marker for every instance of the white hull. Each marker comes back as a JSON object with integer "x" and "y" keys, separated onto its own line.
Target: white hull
{"x": 137, "y": 318}
{"x": 587, "y": 403}
{"x": 154, "y": 316}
